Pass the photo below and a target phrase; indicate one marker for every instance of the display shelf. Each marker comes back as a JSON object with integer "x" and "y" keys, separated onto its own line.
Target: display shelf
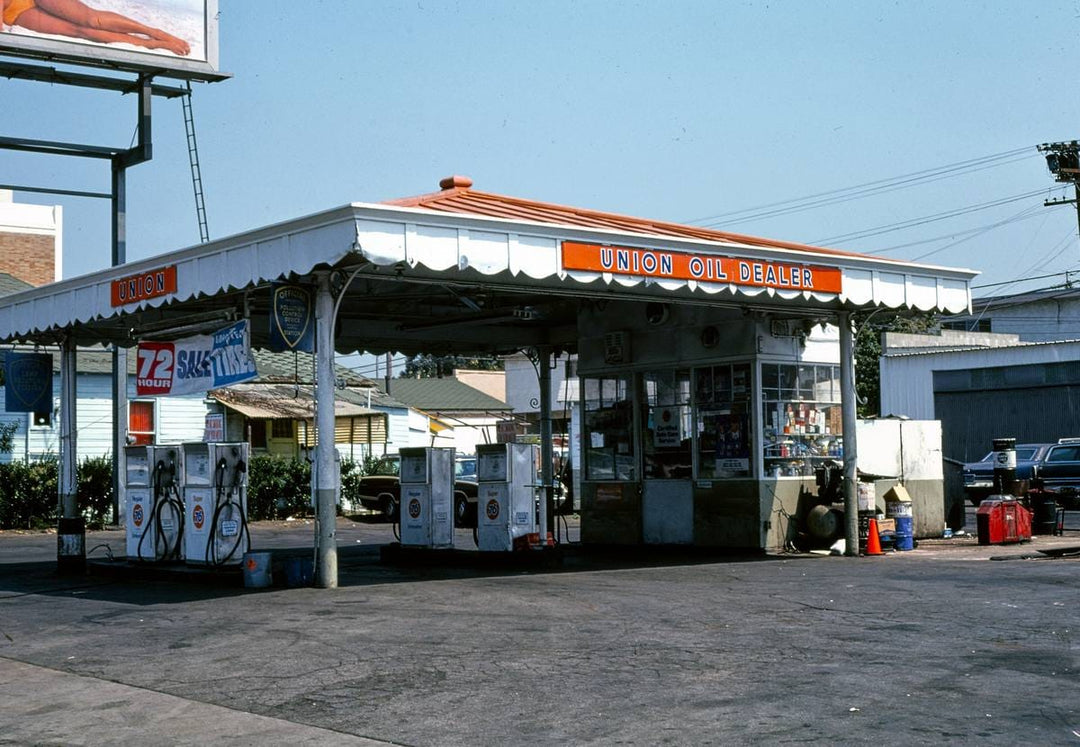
{"x": 801, "y": 417}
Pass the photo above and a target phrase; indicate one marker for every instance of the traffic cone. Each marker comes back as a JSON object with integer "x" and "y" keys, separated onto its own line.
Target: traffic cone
{"x": 873, "y": 541}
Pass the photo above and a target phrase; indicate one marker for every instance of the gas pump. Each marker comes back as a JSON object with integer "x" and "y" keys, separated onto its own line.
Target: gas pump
{"x": 427, "y": 497}
{"x": 215, "y": 493}
{"x": 155, "y": 515}
{"x": 506, "y": 503}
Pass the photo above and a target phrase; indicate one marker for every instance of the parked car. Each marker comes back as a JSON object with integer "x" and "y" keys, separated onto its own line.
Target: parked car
{"x": 1058, "y": 473}
{"x": 380, "y": 490}
{"x": 979, "y": 476}
{"x": 465, "y": 468}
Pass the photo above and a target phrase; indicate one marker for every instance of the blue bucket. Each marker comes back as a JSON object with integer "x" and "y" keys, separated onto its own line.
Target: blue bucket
{"x": 257, "y": 574}
{"x": 905, "y": 537}
{"x": 299, "y": 572}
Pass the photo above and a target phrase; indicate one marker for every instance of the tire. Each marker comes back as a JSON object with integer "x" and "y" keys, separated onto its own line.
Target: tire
{"x": 389, "y": 507}
{"x": 461, "y": 511}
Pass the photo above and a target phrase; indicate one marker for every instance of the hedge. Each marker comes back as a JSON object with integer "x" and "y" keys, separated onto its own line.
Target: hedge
{"x": 29, "y": 497}
{"x": 277, "y": 489}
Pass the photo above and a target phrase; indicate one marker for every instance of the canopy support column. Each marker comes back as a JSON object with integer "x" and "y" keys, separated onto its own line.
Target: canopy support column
{"x": 71, "y": 527}
{"x": 848, "y": 401}
{"x": 326, "y": 477}
{"x": 68, "y": 462}
{"x": 547, "y": 473}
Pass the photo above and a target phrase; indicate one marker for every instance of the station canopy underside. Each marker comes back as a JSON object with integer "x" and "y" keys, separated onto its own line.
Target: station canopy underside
{"x": 422, "y": 277}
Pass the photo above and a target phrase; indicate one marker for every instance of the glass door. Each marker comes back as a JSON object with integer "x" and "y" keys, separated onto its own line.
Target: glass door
{"x": 667, "y": 457}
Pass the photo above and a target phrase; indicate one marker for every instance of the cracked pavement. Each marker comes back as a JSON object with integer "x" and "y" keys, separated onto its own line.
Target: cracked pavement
{"x": 940, "y": 644}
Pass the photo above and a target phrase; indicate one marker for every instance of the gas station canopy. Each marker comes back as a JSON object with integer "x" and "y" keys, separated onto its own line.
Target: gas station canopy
{"x": 461, "y": 270}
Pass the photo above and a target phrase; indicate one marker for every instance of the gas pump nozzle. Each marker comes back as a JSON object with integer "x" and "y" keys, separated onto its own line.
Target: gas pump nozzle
{"x": 165, "y": 498}
{"x": 219, "y": 473}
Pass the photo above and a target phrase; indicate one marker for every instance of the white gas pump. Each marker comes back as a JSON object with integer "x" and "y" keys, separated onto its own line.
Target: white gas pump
{"x": 506, "y": 507}
{"x": 155, "y": 511}
{"x": 215, "y": 494}
{"x": 427, "y": 497}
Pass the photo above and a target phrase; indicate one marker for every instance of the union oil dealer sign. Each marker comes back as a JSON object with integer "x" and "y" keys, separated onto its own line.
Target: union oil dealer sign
{"x": 707, "y": 268}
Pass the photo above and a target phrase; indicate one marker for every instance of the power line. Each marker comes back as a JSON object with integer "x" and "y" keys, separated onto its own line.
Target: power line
{"x": 867, "y": 189}
{"x": 1029, "y": 212}
{"x": 1025, "y": 214}
{"x": 858, "y": 196}
{"x": 1011, "y": 282}
{"x": 914, "y": 222}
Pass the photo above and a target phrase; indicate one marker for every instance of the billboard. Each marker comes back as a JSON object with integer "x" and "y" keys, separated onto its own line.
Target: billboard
{"x": 177, "y": 38}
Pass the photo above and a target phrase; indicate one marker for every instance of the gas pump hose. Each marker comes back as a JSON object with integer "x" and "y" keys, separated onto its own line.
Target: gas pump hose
{"x": 220, "y": 506}
{"x": 161, "y": 543}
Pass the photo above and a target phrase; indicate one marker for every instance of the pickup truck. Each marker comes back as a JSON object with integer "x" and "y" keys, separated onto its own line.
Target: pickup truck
{"x": 979, "y": 476}
{"x": 380, "y": 490}
{"x": 1058, "y": 473}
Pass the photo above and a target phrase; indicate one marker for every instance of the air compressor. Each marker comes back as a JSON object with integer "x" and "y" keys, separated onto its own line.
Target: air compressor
{"x": 215, "y": 496}
{"x": 155, "y": 509}
{"x": 506, "y": 501}
{"x": 427, "y": 497}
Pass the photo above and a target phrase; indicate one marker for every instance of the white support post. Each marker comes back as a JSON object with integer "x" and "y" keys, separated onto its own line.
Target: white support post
{"x": 119, "y": 431}
{"x": 326, "y": 487}
{"x": 547, "y": 474}
{"x": 848, "y": 401}
{"x": 68, "y": 461}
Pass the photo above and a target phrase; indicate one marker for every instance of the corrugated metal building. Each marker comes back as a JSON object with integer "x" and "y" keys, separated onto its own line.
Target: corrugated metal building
{"x": 1028, "y": 390}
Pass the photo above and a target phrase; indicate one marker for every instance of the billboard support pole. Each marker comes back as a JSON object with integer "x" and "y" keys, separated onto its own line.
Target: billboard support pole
{"x": 142, "y": 152}
{"x": 119, "y": 354}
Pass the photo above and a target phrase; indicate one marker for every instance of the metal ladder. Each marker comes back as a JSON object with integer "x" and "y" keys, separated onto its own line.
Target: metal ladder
{"x": 196, "y": 173}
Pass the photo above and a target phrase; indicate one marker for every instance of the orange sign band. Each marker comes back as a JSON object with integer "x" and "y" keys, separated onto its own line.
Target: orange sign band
{"x": 707, "y": 268}
{"x": 149, "y": 284}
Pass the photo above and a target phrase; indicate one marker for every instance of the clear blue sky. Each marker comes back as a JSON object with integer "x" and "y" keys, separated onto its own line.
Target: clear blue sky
{"x": 670, "y": 110}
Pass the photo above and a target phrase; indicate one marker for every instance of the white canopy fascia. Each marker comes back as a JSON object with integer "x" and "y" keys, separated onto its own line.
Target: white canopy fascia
{"x": 526, "y": 250}
{"x": 234, "y": 263}
{"x": 426, "y": 243}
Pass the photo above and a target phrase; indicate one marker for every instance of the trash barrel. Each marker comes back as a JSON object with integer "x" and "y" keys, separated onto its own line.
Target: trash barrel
{"x": 71, "y": 545}
{"x": 299, "y": 572}
{"x": 257, "y": 570}
{"x": 1044, "y": 506}
{"x": 898, "y": 507}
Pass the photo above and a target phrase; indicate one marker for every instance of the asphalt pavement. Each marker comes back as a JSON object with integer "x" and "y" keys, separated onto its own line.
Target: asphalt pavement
{"x": 952, "y": 642}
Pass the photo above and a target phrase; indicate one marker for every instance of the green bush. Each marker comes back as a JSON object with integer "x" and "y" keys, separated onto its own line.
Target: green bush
{"x": 29, "y": 494}
{"x": 278, "y": 488}
{"x": 351, "y": 472}
{"x": 95, "y": 490}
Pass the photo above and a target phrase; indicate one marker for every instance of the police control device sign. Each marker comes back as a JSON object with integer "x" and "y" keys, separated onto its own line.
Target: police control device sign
{"x": 292, "y": 319}
{"x": 195, "y": 364}
{"x": 28, "y": 382}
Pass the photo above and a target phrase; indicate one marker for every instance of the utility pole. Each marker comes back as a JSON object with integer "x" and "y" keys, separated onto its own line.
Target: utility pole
{"x": 1063, "y": 161}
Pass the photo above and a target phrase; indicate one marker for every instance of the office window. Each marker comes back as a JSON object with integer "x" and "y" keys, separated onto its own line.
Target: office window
{"x": 141, "y": 420}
